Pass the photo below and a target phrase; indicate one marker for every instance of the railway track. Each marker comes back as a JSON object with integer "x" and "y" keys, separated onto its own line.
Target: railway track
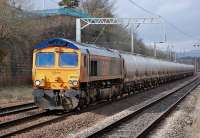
{"x": 38, "y": 120}
{"x": 185, "y": 91}
{"x": 17, "y": 109}
{"x": 137, "y": 121}
{"x": 26, "y": 124}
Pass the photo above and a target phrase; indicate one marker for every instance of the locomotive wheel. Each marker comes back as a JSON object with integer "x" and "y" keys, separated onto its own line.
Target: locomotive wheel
{"x": 81, "y": 103}
{"x": 87, "y": 100}
{"x": 114, "y": 98}
{"x": 70, "y": 103}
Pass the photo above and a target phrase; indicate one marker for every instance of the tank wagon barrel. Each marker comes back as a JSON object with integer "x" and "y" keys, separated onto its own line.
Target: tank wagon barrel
{"x": 67, "y": 75}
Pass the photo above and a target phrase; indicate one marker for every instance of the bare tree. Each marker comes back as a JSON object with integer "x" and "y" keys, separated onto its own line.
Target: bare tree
{"x": 98, "y": 8}
{"x": 21, "y": 4}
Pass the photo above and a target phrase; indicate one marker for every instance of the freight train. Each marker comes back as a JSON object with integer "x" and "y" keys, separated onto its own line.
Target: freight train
{"x": 67, "y": 75}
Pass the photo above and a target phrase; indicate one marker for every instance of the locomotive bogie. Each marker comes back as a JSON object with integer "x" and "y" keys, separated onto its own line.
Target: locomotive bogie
{"x": 56, "y": 100}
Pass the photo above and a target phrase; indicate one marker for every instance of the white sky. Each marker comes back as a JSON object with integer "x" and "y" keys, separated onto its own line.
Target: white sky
{"x": 183, "y": 13}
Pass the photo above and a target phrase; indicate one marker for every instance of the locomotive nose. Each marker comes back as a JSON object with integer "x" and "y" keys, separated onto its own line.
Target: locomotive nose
{"x": 59, "y": 79}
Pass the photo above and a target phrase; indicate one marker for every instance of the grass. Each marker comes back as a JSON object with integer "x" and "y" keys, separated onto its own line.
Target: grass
{"x": 14, "y": 94}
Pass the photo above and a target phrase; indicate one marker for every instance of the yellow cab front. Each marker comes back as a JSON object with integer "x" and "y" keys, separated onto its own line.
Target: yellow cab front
{"x": 56, "y": 68}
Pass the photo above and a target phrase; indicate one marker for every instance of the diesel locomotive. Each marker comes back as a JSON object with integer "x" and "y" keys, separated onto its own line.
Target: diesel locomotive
{"x": 67, "y": 75}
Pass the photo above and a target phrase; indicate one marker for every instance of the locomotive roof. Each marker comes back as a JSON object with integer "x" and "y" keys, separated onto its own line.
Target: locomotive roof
{"x": 85, "y": 48}
{"x": 59, "y": 42}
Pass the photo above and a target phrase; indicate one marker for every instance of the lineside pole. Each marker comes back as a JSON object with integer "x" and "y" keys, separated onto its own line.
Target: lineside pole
{"x": 44, "y": 4}
{"x": 155, "y": 49}
{"x": 195, "y": 64}
{"x": 78, "y": 30}
{"x": 132, "y": 38}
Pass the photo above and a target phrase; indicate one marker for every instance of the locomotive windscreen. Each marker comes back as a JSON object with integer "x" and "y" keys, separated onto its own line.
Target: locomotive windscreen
{"x": 45, "y": 59}
{"x": 68, "y": 59}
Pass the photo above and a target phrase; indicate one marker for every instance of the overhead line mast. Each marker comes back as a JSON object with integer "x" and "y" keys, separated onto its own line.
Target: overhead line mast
{"x": 113, "y": 21}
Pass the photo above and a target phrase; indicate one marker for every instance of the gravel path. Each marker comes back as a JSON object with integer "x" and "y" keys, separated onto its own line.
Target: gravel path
{"x": 87, "y": 119}
{"x": 184, "y": 122}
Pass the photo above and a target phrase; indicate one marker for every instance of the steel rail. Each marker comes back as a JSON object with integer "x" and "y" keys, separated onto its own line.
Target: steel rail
{"x": 17, "y": 109}
{"x": 15, "y": 122}
{"x": 153, "y": 124}
{"x": 99, "y": 130}
{"x": 32, "y": 118}
{"x": 27, "y": 119}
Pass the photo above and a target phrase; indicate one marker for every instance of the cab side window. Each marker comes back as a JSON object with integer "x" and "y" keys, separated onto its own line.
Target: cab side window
{"x": 93, "y": 68}
{"x": 85, "y": 61}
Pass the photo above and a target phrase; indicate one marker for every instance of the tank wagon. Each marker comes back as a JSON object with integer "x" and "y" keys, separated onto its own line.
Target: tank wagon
{"x": 67, "y": 75}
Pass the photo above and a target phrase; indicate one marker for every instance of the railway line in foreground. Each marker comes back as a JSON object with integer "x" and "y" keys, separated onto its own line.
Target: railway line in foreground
{"x": 39, "y": 119}
{"x": 17, "y": 109}
{"x": 28, "y": 123}
{"x": 120, "y": 121}
{"x": 138, "y": 120}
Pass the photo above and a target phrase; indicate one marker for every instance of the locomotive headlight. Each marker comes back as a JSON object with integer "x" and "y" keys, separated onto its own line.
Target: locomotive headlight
{"x": 70, "y": 82}
{"x": 37, "y": 83}
{"x": 75, "y": 83}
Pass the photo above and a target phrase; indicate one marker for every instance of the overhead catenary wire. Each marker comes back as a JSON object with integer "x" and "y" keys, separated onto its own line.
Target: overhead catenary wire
{"x": 99, "y": 35}
{"x": 164, "y": 19}
{"x": 142, "y": 8}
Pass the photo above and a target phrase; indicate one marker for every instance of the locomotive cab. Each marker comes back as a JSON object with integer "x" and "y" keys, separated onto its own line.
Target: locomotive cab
{"x": 56, "y": 74}
{"x": 56, "y": 68}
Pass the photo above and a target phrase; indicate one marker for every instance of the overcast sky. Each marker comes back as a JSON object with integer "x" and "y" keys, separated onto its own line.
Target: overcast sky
{"x": 185, "y": 14}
